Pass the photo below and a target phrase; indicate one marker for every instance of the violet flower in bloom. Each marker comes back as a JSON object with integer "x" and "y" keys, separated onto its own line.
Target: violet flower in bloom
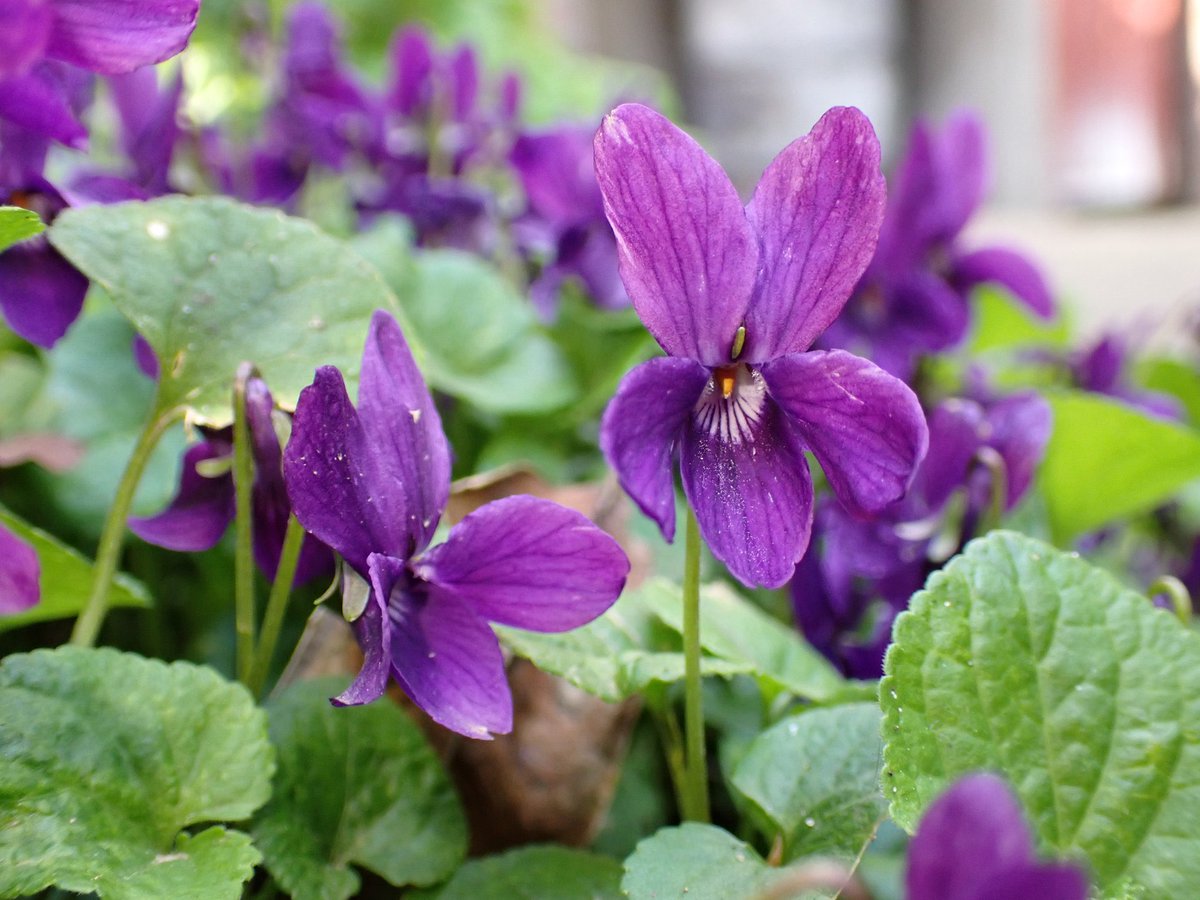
{"x": 1101, "y": 368}
{"x": 372, "y": 483}
{"x": 913, "y": 298}
{"x": 735, "y": 296}
{"x": 106, "y": 36}
{"x": 861, "y": 574}
{"x": 565, "y": 222}
{"x": 19, "y": 574}
{"x": 41, "y": 293}
{"x": 973, "y": 844}
{"x": 205, "y": 505}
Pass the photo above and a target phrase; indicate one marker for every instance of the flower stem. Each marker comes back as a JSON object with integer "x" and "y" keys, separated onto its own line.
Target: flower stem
{"x": 112, "y": 536}
{"x": 243, "y": 553}
{"x": 696, "y": 793}
{"x": 277, "y": 601}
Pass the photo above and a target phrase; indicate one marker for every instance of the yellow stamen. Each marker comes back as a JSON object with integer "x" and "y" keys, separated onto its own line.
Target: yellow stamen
{"x": 725, "y": 378}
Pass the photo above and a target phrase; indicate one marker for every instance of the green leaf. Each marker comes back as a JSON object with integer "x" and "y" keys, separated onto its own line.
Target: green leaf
{"x": 699, "y": 862}
{"x": 531, "y": 873}
{"x": 1106, "y": 461}
{"x": 1028, "y": 661}
{"x": 105, "y": 757}
{"x": 734, "y": 629}
{"x": 816, "y": 776}
{"x": 211, "y": 283}
{"x": 479, "y": 336}
{"x": 1174, "y": 377}
{"x": 18, "y": 224}
{"x": 94, "y": 393}
{"x": 358, "y": 785}
{"x": 613, "y": 657}
{"x": 66, "y": 578}
{"x": 1003, "y": 322}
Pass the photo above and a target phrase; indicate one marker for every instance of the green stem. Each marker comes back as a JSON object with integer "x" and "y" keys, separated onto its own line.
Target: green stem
{"x": 277, "y": 601}
{"x": 243, "y": 553}
{"x": 1177, "y": 592}
{"x": 87, "y": 626}
{"x": 696, "y": 795}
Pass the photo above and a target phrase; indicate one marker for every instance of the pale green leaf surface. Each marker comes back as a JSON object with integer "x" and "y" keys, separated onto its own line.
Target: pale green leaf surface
{"x": 734, "y": 629}
{"x": 534, "y": 873}
{"x": 211, "y": 283}
{"x": 17, "y": 224}
{"x": 66, "y": 578}
{"x": 354, "y": 786}
{"x": 699, "y": 862}
{"x": 1027, "y": 661}
{"x": 1106, "y": 460}
{"x": 105, "y": 757}
{"x": 479, "y": 337}
{"x": 816, "y": 776}
{"x": 612, "y": 657}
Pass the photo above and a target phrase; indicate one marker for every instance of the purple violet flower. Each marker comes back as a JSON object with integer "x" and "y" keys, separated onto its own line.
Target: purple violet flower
{"x": 735, "y": 296}
{"x": 913, "y": 298}
{"x": 106, "y": 36}
{"x": 861, "y": 574}
{"x": 41, "y": 293}
{"x": 372, "y": 483}
{"x": 565, "y": 222}
{"x": 204, "y": 506}
{"x": 1102, "y": 368}
{"x": 19, "y": 574}
{"x": 973, "y": 844}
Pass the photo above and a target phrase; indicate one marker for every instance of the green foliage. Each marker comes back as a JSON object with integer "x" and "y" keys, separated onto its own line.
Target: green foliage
{"x": 734, "y": 629}
{"x": 17, "y": 224}
{"x": 106, "y": 757}
{"x": 1028, "y": 661}
{"x": 66, "y": 576}
{"x": 1174, "y": 377}
{"x": 1003, "y": 323}
{"x": 815, "y": 776}
{"x": 354, "y": 786}
{"x": 211, "y": 283}
{"x": 614, "y": 657}
{"x": 531, "y": 873}
{"x": 93, "y": 393}
{"x": 1106, "y": 460}
{"x": 700, "y": 862}
{"x": 479, "y": 337}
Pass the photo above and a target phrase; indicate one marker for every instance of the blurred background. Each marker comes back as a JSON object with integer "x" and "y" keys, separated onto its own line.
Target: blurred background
{"x": 1091, "y": 107}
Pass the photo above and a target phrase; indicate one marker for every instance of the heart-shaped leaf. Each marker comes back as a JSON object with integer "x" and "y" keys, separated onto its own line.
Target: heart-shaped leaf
{"x": 211, "y": 283}
{"x": 105, "y": 758}
{"x": 1028, "y": 661}
{"x": 17, "y": 224}
{"x": 354, "y": 786}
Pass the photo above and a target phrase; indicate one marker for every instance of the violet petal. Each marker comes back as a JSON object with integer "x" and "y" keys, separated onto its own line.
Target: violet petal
{"x": 999, "y": 265}
{"x": 120, "y": 35}
{"x": 817, "y": 212}
{"x": 333, "y": 476}
{"x": 974, "y": 838}
{"x": 41, "y": 293}
{"x": 20, "y": 572}
{"x": 202, "y": 509}
{"x": 641, "y": 428}
{"x": 956, "y": 432}
{"x": 864, "y": 426}
{"x": 530, "y": 563}
{"x": 412, "y": 63}
{"x": 687, "y": 253}
{"x": 402, "y": 426}
{"x": 448, "y": 661}
{"x": 23, "y": 39}
{"x": 36, "y": 102}
{"x": 1021, "y": 425}
{"x": 373, "y": 630}
{"x": 752, "y": 495}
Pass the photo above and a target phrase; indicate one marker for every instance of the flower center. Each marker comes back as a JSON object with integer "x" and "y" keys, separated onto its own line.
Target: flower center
{"x": 732, "y": 403}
